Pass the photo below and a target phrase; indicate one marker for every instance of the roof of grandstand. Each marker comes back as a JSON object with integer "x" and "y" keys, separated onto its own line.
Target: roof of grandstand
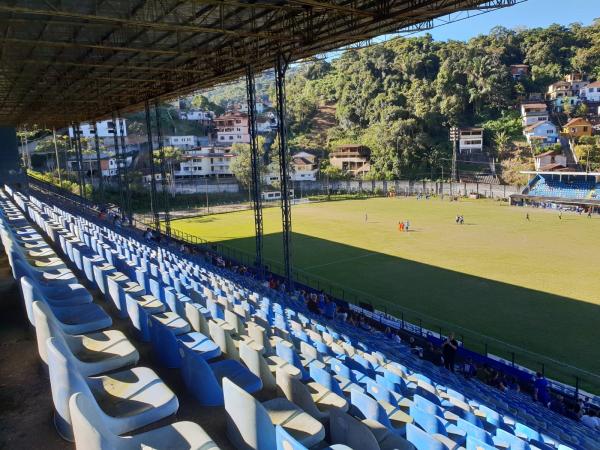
{"x": 85, "y": 59}
{"x": 577, "y": 174}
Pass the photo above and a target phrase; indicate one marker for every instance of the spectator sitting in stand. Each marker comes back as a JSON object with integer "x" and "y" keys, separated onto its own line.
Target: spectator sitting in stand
{"x": 591, "y": 419}
{"x": 558, "y": 405}
{"x": 312, "y": 306}
{"x": 469, "y": 369}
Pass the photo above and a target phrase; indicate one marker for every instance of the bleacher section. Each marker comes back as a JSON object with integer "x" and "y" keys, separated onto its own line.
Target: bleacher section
{"x": 552, "y": 187}
{"x": 328, "y": 384}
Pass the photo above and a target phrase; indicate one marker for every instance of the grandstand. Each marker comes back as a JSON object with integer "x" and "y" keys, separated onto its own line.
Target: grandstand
{"x": 561, "y": 187}
{"x": 280, "y": 376}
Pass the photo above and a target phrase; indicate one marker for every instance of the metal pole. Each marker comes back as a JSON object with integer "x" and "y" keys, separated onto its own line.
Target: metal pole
{"x": 121, "y": 123}
{"x": 57, "y": 158}
{"x": 118, "y": 161}
{"x": 255, "y": 162}
{"x": 163, "y": 171}
{"x": 77, "y": 133}
{"x": 98, "y": 164}
{"x": 155, "y": 214}
{"x": 286, "y": 213}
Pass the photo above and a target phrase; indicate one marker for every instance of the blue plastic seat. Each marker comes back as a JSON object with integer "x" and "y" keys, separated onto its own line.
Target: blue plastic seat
{"x": 285, "y": 441}
{"x": 449, "y": 434}
{"x": 287, "y": 353}
{"x": 421, "y": 440}
{"x": 165, "y": 344}
{"x": 204, "y": 380}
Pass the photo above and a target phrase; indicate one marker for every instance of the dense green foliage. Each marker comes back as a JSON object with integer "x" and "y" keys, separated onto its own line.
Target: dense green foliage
{"x": 400, "y": 97}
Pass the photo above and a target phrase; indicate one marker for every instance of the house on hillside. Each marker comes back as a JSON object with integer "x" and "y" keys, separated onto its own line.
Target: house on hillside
{"x": 232, "y": 127}
{"x": 470, "y": 140}
{"x": 591, "y": 93}
{"x": 550, "y": 161}
{"x": 519, "y": 71}
{"x": 304, "y": 167}
{"x": 543, "y": 133}
{"x": 577, "y": 127}
{"x": 184, "y": 142}
{"x": 205, "y": 162}
{"x": 533, "y": 112}
{"x": 351, "y": 158}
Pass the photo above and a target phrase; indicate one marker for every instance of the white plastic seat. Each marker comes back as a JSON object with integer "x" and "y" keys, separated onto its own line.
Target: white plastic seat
{"x": 92, "y": 353}
{"x": 91, "y": 433}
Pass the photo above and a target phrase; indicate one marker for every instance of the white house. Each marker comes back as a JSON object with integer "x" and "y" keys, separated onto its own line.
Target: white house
{"x": 304, "y": 167}
{"x": 265, "y": 124}
{"x": 109, "y": 166}
{"x": 205, "y": 117}
{"x": 182, "y": 142}
{"x": 550, "y": 160}
{"x": 104, "y": 129}
{"x": 470, "y": 140}
{"x": 205, "y": 162}
{"x": 591, "y": 92}
{"x": 543, "y": 133}
{"x": 533, "y": 112}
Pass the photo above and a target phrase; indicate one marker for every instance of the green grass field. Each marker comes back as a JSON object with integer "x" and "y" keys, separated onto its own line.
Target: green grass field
{"x": 534, "y": 285}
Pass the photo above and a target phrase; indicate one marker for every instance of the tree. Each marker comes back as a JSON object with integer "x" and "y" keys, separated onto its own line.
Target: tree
{"x": 501, "y": 141}
{"x": 241, "y": 165}
{"x": 200, "y": 101}
{"x": 587, "y": 151}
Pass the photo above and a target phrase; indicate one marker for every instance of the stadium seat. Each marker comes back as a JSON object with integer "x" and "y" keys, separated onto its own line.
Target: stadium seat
{"x": 204, "y": 379}
{"x": 285, "y": 441}
{"x": 128, "y": 399}
{"x": 92, "y": 433}
{"x": 370, "y": 409}
{"x": 251, "y": 424}
{"x": 92, "y": 353}
{"x": 165, "y": 343}
{"x": 73, "y": 319}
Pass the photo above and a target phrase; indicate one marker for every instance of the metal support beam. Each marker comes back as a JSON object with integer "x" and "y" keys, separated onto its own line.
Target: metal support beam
{"x": 153, "y": 206}
{"x": 163, "y": 172}
{"x": 78, "y": 156}
{"x": 118, "y": 161}
{"x": 127, "y": 193}
{"x": 256, "y": 162}
{"x": 98, "y": 165}
{"x": 281, "y": 64}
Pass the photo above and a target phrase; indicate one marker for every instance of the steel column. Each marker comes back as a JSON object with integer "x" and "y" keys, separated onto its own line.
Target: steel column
{"x": 281, "y": 64}
{"x": 98, "y": 165}
{"x": 118, "y": 160}
{"x": 125, "y": 168}
{"x": 256, "y": 162}
{"x": 163, "y": 172}
{"x": 78, "y": 155}
{"x": 153, "y": 205}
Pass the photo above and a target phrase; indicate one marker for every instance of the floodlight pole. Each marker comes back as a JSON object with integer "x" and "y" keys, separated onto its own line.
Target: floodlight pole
{"x": 163, "y": 171}
{"x": 98, "y": 164}
{"x": 255, "y": 162}
{"x": 155, "y": 215}
{"x": 118, "y": 161}
{"x": 281, "y": 64}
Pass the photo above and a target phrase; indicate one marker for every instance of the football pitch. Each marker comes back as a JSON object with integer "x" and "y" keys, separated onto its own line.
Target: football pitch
{"x": 533, "y": 284}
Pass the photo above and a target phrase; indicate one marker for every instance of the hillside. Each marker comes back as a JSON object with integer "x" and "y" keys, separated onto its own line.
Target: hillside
{"x": 400, "y": 97}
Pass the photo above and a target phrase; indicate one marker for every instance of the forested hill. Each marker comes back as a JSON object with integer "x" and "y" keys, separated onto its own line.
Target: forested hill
{"x": 399, "y": 97}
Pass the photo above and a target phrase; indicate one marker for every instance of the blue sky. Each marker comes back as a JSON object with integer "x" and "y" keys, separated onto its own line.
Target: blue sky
{"x": 530, "y": 14}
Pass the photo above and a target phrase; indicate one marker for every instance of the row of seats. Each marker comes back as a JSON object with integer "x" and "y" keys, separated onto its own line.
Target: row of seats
{"x": 193, "y": 314}
{"x": 552, "y": 187}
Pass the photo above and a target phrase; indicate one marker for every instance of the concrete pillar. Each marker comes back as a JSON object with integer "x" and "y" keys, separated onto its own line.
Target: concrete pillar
{"x": 11, "y": 171}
